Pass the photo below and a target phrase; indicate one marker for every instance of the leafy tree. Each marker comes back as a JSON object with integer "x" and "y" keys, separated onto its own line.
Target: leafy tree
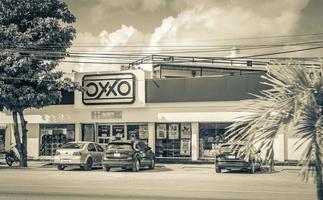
{"x": 295, "y": 99}
{"x": 34, "y": 37}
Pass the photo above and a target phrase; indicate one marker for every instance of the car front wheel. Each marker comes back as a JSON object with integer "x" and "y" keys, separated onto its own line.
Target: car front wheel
{"x": 106, "y": 168}
{"x": 217, "y": 170}
{"x": 136, "y": 165}
{"x": 60, "y": 167}
{"x": 9, "y": 161}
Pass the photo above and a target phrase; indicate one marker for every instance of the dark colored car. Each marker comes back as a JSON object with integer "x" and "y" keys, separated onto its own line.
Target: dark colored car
{"x": 128, "y": 155}
{"x": 228, "y": 158}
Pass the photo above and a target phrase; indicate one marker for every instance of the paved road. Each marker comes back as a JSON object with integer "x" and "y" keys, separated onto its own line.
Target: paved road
{"x": 165, "y": 182}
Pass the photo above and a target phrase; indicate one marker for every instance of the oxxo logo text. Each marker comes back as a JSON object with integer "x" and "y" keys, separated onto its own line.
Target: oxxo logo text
{"x": 108, "y": 89}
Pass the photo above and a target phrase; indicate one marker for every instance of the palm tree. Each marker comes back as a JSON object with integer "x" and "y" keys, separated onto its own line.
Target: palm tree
{"x": 294, "y": 99}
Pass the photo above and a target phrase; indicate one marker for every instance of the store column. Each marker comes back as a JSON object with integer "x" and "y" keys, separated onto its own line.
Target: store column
{"x": 78, "y": 130}
{"x": 151, "y": 136}
{"x": 195, "y": 140}
{"x": 281, "y": 144}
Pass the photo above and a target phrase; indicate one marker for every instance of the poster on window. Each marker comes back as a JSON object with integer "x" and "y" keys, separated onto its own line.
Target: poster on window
{"x": 133, "y": 133}
{"x": 185, "y": 148}
{"x": 173, "y": 131}
{"x": 161, "y": 131}
{"x": 143, "y": 132}
{"x": 186, "y": 130}
{"x": 118, "y": 131}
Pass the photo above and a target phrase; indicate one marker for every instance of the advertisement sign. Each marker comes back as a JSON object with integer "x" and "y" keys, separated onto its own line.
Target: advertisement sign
{"x": 143, "y": 132}
{"x": 186, "y": 130}
{"x": 106, "y": 114}
{"x": 185, "y": 148}
{"x": 161, "y": 131}
{"x": 108, "y": 89}
{"x": 173, "y": 131}
{"x": 118, "y": 131}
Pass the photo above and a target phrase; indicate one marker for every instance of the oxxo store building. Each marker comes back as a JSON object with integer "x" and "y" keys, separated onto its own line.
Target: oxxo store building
{"x": 182, "y": 118}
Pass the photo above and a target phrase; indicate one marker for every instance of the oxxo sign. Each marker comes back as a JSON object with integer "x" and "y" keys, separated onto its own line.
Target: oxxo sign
{"x": 108, "y": 89}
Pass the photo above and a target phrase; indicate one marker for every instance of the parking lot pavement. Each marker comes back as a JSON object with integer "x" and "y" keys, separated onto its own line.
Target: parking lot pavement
{"x": 166, "y": 181}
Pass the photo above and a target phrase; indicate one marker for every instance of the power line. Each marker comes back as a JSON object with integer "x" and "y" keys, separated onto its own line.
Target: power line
{"x": 219, "y": 46}
{"x": 282, "y": 52}
{"x": 141, "y": 53}
{"x": 42, "y": 80}
{"x": 129, "y": 58}
{"x": 222, "y": 39}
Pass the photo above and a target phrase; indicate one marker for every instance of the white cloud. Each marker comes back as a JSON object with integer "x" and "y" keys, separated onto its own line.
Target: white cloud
{"x": 206, "y": 22}
{"x": 162, "y": 31}
{"x": 106, "y": 43}
{"x": 217, "y": 22}
{"x": 215, "y": 19}
{"x": 118, "y": 37}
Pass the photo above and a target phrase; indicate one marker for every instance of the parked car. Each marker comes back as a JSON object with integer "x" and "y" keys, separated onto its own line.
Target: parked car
{"x": 128, "y": 155}
{"x": 83, "y": 154}
{"x": 228, "y": 158}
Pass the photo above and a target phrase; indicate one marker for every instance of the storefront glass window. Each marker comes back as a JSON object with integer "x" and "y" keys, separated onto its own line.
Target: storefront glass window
{"x": 138, "y": 132}
{"x": 173, "y": 140}
{"x": 53, "y": 136}
{"x": 211, "y": 135}
{"x": 104, "y": 133}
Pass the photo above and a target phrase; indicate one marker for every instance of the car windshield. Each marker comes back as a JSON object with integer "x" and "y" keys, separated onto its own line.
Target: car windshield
{"x": 122, "y": 146}
{"x": 73, "y": 146}
{"x": 230, "y": 147}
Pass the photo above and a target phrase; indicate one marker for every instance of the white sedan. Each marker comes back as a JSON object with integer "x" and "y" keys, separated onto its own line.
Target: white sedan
{"x": 82, "y": 154}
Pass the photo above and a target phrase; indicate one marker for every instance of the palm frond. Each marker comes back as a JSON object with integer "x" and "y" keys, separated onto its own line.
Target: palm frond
{"x": 291, "y": 99}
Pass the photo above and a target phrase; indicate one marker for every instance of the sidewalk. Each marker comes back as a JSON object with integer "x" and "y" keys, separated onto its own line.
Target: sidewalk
{"x": 31, "y": 164}
{"x": 48, "y": 164}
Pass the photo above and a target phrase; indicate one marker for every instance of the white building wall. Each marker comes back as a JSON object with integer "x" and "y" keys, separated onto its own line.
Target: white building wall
{"x": 78, "y": 130}
{"x": 284, "y": 147}
{"x": 152, "y": 136}
{"x": 195, "y": 141}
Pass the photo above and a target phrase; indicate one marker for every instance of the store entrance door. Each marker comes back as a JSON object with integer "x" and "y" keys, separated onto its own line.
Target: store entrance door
{"x": 110, "y": 132}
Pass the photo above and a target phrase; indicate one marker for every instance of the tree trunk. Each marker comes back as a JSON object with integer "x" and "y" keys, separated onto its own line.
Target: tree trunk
{"x": 318, "y": 170}
{"x": 271, "y": 160}
{"x": 318, "y": 157}
{"x": 24, "y": 156}
{"x": 319, "y": 184}
{"x": 16, "y": 133}
{"x": 271, "y": 164}
{"x": 318, "y": 161}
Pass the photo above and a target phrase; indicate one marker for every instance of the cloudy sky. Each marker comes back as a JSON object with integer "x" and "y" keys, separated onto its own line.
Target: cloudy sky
{"x": 180, "y": 26}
